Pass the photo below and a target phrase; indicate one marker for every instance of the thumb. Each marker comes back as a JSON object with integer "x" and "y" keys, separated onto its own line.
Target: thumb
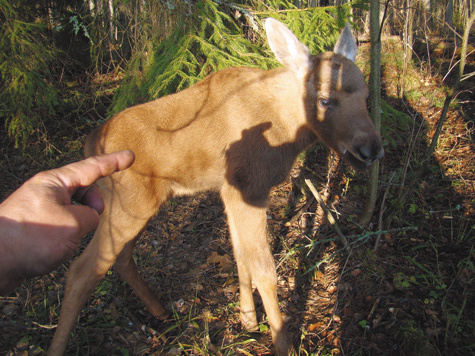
{"x": 86, "y": 218}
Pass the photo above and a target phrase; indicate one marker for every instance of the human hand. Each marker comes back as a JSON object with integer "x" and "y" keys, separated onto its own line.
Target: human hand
{"x": 40, "y": 227}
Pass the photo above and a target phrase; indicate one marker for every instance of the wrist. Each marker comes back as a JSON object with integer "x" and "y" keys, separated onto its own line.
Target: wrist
{"x": 10, "y": 269}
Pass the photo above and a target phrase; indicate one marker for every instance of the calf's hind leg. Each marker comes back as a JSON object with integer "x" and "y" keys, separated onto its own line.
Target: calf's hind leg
{"x": 127, "y": 269}
{"x": 120, "y": 224}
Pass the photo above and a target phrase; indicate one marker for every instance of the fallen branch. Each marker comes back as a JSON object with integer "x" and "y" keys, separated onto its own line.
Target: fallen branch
{"x": 327, "y": 211}
{"x": 361, "y": 238}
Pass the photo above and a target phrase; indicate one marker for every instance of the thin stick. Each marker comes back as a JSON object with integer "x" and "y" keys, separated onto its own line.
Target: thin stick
{"x": 327, "y": 211}
{"x": 381, "y": 212}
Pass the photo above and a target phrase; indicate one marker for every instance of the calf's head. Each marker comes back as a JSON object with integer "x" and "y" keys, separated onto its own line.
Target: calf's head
{"x": 335, "y": 93}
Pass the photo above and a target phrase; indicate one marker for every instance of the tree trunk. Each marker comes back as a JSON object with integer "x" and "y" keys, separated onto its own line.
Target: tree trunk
{"x": 452, "y": 91}
{"x": 408, "y": 39}
{"x": 375, "y": 105}
{"x": 112, "y": 27}
{"x": 443, "y": 116}
{"x": 449, "y": 13}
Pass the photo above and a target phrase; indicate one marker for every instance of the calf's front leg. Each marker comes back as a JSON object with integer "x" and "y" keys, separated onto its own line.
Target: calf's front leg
{"x": 247, "y": 224}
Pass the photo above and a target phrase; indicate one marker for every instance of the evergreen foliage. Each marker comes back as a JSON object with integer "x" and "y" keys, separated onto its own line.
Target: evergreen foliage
{"x": 172, "y": 46}
{"x": 26, "y": 93}
{"x": 318, "y": 27}
{"x": 207, "y": 41}
{"x": 211, "y": 39}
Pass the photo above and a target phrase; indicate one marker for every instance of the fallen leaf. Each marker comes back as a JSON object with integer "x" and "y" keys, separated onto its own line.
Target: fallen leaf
{"x": 224, "y": 262}
{"x": 291, "y": 281}
{"x": 23, "y": 343}
{"x": 313, "y": 327}
{"x": 463, "y": 276}
{"x": 174, "y": 351}
{"x": 319, "y": 275}
{"x": 388, "y": 288}
{"x": 347, "y": 311}
{"x": 231, "y": 289}
{"x": 9, "y": 309}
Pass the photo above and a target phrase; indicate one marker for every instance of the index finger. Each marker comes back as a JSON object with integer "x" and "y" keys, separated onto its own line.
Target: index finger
{"x": 86, "y": 172}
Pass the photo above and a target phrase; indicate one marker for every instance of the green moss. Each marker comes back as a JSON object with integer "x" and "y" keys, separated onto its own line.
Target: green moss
{"x": 413, "y": 341}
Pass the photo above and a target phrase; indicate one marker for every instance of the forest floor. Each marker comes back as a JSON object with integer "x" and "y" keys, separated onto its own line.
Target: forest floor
{"x": 405, "y": 286}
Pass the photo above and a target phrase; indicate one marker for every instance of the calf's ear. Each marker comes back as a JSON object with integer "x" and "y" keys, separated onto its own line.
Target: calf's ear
{"x": 287, "y": 48}
{"x": 346, "y": 44}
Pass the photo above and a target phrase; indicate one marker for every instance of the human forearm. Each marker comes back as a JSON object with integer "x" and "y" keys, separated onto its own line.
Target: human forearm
{"x": 40, "y": 227}
{"x": 10, "y": 271}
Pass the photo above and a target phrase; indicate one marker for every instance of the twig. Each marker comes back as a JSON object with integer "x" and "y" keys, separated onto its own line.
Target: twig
{"x": 314, "y": 173}
{"x": 366, "y": 235}
{"x": 338, "y": 287}
{"x": 327, "y": 211}
{"x": 301, "y": 211}
{"x": 44, "y": 326}
{"x": 373, "y": 309}
{"x": 381, "y": 212}
{"x": 249, "y": 15}
{"x": 143, "y": 327}
{"x": 357, "y": 238}
{"x": 386, "y": 5}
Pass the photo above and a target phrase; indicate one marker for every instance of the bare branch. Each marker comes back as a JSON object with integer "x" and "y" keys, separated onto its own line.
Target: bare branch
{"x": 327, "y": 211}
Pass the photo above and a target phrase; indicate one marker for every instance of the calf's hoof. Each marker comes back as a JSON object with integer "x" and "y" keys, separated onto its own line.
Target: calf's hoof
{"x": 283, "y": 345}
{"x": 249, "y": 320}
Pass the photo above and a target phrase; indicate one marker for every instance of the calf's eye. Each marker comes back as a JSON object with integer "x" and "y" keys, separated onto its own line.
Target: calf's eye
{"x": 324, "y": 103}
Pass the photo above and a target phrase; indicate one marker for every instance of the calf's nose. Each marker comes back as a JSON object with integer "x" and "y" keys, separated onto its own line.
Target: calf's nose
{"x": 370, "y": 152}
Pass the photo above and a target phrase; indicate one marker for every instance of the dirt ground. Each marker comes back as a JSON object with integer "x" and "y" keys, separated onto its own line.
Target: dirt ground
{"x": 411, "y": 295}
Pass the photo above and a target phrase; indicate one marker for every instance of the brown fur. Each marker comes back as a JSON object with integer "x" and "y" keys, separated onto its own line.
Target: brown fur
{"x": 239, "y": 132}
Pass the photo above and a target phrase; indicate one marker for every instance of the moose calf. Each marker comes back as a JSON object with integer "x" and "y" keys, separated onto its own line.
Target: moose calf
{"x": 239, "y": 132}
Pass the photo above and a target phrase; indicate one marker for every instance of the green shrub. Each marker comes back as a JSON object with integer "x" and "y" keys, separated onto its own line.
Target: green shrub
{"x": 27, "y": 95}
{"x": 210, "y": 39}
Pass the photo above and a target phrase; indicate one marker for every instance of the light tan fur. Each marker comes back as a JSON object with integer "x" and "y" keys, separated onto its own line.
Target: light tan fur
{"x": 239, "y": 132}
